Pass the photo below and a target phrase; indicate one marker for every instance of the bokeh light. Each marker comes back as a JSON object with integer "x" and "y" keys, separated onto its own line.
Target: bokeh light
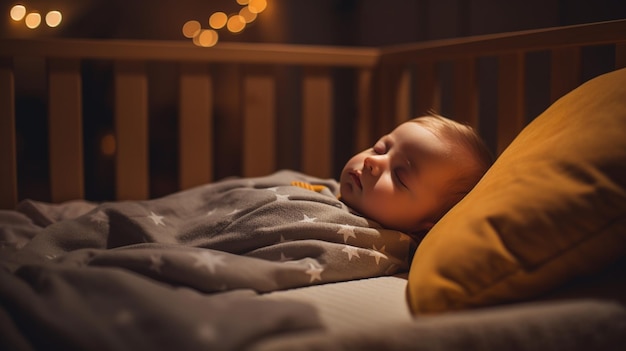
{"x": 233, "y": 22}
{"x": 206, "y": 38}
{"x": 191, "y": 28}
{"x": 236, "y": 24}
{"x": 108, "y": 145}
{"x": 257, "y": 6}
{"x": 18, "y": 12}
{"x": 53, "y": 18}
{"x": 33, "y": 20}
{"x": 248, "y": 16}
{"x": 218, "y": 20}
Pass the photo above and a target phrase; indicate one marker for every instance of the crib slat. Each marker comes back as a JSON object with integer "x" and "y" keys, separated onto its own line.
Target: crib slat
{"x": 363, "y": 137}
{"x": 565, "y": 71}
{"x": 510, "y": 98}
{"x": 427, "y": 90}
{"x": 317, "y": 126}
{"x": 465, "y": 92}
{"x": 259, "y": 125}
{"x": 403, "y": 92}
{"x": 131, "y": 128}
{"x": 195, "y": 125}
{"x": 620, "y": 56}
{"x": 8, "y": 171}
{"x": 394, "y": 91}
{"x": 65, "y": 130}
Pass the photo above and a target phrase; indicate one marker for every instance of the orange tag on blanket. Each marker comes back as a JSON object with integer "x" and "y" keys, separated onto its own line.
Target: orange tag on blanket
{"x": 308, "y": 186}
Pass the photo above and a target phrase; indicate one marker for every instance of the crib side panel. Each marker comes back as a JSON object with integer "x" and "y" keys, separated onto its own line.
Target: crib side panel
{"x": 125, "y": 79}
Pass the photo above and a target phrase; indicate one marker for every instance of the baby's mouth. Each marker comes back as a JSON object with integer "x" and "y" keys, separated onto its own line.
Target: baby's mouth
{"x": 356, "y": 179}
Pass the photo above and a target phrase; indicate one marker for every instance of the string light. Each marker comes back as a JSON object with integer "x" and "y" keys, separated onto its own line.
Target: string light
{"x": 218, "y": 20}
{"x": 18, "y": 12}
{"x": 234, "y": 23}
{"x": 191, "y": 28}
{"x": 32, "y": 20}
{"x": 248, "y": 16}
{"x": 53, "y": 18}
{"x": 257, "y": 6}
{"x": 207, "y": 38}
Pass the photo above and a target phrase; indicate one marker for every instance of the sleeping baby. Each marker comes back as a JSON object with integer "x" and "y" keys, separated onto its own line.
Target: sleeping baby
{"x": 412, "y": 176}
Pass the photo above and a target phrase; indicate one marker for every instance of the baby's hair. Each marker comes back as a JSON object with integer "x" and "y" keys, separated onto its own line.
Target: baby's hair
{"x": 464, "y": 136}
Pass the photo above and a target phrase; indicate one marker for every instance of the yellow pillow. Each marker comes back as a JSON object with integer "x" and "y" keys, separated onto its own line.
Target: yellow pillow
{"x": 552, "y": 208}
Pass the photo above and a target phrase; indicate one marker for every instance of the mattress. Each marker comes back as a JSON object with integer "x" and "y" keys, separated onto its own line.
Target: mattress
{"x": 353, "y": 305}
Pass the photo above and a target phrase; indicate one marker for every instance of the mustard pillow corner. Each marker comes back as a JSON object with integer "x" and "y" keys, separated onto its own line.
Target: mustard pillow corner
{"x": 552, "y": 208}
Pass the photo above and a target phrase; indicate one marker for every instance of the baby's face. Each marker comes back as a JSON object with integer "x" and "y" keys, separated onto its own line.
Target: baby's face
{"x": 400, "y": 182}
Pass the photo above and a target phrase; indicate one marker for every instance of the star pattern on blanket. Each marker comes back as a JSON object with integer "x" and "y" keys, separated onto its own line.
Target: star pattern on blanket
{"x": 208, "y": 260}
{"x": 308, "y": 219}
{"x": 279, "y": 197}
{"x": 158, "y": 220}
{"x": 314, "y": 272}
{"x": 98, "y": 217}
{"x": 378, "y": 253}
{"x": 351, "y": 251}
{"x": 347, "y": 231}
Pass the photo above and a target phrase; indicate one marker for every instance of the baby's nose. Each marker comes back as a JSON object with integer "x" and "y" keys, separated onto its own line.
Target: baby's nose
{"x": 373, "y": 165}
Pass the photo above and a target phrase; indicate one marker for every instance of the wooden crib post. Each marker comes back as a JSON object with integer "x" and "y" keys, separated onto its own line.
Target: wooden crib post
{"x": 566, "y": 71}
{"x": 620, "y": 55}
{"x": 65, "y": 130}
{"x": 465, "y": 92}
{"x": 364, "y": 132}
{"x": 131, "y": 129}
{"x": 317, "y": 114}
{"x": 427, "y": 89}
{"x": 8, "y": 171}
{"x": 195, "y": 125}
{"x": 259, "y": 122}
{"x": 510, "y": 120}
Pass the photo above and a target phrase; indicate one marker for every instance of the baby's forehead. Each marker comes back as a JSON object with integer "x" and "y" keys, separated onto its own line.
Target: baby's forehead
{"x": 416, "y": 139}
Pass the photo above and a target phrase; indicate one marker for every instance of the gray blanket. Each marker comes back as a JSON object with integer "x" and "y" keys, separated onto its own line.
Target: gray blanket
{"x": 182, "y": 271}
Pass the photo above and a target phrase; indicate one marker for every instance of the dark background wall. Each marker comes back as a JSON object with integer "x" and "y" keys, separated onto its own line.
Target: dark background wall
{"x": 340, "y": 22}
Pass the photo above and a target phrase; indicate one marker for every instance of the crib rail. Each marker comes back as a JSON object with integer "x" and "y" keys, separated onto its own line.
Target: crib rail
{"x": 196, "y": 154}
{"x": 392, "y": 84}
{"x": 418, "y": 63}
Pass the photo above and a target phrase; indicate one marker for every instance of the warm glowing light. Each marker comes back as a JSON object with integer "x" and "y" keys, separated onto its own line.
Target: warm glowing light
{"x": 33, "y": 20}
{"x": 18, "y": 12}
{"x": 257, "y": 6}
{"x": 218, "y": 20}
{"x": 236, "y": 24}
{"x": 242, "y": 2}
{"x": 247, "y": 15}
{"x": 206, "y": 38}
{"x": 108, "y": 145}
{"x": 191, "y": 29}
{"x": 53, "y": 18}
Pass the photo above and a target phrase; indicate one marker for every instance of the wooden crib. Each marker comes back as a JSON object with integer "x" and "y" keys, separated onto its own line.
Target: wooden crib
{"x": 482, "y": 80}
